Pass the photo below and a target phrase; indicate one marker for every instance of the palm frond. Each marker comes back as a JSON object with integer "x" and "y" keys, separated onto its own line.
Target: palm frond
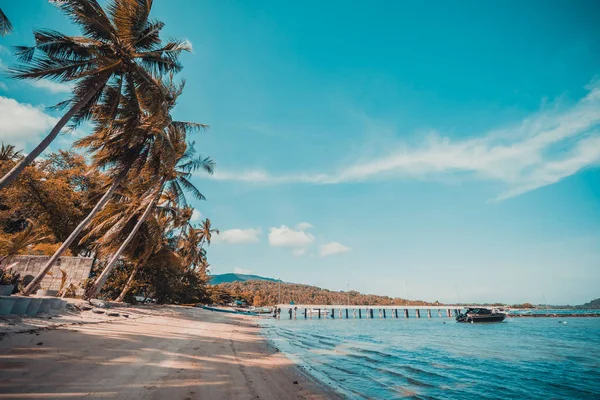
{"x": 189, "y": 187}
{"x": 5, "y": 25}
{"x": 90, "y": 17}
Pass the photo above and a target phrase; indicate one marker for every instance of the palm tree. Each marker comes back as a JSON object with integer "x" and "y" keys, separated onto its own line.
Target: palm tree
{"x": 158, "y": 230}
{"x": 5, "y": 25}
{"x": 123, "y": 145}
{"x": 8, "y": 153}
{"x": 192, "y": 245}
{"x": 28, "y": 237}
{"x": 175, "y": 179}
{"x": 206, "y": 231}
{"x": 118, "y": 53}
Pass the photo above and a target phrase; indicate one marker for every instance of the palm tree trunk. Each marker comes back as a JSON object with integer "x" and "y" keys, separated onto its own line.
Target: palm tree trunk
{"x": 129, "y": 283}
{"x": 28, "y": 159}
{"x": 82, "y": 225}
{"x": 101, "y": 280}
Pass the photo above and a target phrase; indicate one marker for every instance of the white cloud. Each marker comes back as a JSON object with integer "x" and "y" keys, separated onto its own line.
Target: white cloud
{"x": 239, "y": 236}
{"x": 241, "y": 271}
{"x": 51, "y": 86}
{"x": 332, "y": 248}
{"x": 299, "y": 252}
{"x": 542, "y": 149}
{"x": 196, "y": 216}
{"x": 21, "y": 123}
{"x": 302, "y": 226}
{"x": 287, "y": 237}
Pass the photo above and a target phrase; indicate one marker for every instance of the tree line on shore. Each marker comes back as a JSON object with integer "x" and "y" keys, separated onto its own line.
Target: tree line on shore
{"x": 119, "y": 195}
{"x": 267, "y": 293}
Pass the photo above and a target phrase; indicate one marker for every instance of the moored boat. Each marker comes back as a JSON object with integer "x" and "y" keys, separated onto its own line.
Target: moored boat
{"x": 474, "y": 315}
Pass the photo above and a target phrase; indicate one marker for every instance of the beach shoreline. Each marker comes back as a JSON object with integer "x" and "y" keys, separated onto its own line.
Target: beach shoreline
{"x": 162, "y": 352}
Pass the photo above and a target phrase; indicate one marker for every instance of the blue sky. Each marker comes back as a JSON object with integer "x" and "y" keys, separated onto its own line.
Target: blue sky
{"x": 451, "y": 151}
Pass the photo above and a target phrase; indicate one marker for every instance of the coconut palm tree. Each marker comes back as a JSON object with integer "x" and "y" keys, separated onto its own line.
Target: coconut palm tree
{"x": 118, "y": 53}
{"x": 206, "y": 231}
{"x": 8, "y": 153}
{"x": 159, "y": 229}
{"x": 176, "y": 179}
{"x": 30, "y": 236}
{"x": 5, "y": 25}
{"x": 123, "y": 146}
{"x": 191, "y": 247}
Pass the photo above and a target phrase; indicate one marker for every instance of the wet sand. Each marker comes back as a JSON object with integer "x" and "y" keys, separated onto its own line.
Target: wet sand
{"x": 176, "y": 353}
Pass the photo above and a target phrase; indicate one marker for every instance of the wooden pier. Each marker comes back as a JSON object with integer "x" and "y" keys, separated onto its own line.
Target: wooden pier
{"x": 319, "y": 311}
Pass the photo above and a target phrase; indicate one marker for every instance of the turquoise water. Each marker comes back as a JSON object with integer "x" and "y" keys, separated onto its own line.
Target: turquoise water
{"x": 521, "y": 358}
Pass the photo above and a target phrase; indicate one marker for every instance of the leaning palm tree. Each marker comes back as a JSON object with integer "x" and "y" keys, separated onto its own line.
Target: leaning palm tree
{"x": 159, "y": 228}
{"x": 5, "y": 25}
{"x": 123, "y": 147}
{"x": 120, "y": 49}
{"x": 176, "y": 178}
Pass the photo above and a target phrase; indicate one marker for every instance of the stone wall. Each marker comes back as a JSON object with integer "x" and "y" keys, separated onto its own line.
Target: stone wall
{"x": 77, "y": 270}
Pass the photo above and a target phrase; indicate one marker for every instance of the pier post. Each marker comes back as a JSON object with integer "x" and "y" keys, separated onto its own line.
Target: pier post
{"x": 405, "y": 313}
{"x": 418, "y": 313}
{"x": 319, "y": 313}
{"x": 346, "y": 313}
{"x": 384, "y": 313}
{"x": 341, "y": 313}
{"x": 371, "y": 312}
{"x": 295, "y": 312}
{"x": 332, "y": 313}
{"x": 359, "y": 314}
{"x": 439, "y": 313}
{"x": 396, "y": 312}
{"x": 448, "y": 313}
{"x": 305, "y": 313}
{"x": 354, "y": 313}
{"x": 428, "y": 313}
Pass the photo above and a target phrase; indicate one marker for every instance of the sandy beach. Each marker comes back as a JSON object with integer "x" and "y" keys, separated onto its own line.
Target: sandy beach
{"x": 166, "y": 353}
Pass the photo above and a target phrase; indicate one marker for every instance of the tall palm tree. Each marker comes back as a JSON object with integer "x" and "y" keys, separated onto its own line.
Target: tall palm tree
{"x": 122, "y": 145}
{"x": 206, "y": 231}
{"x": 159, "y": 229}
{"x": 5, "y": 25}
{"x": 175, "y": 178}
{"x": 119, "y": 51}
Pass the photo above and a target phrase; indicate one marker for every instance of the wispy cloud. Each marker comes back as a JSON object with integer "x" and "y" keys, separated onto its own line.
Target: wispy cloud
{"x": 332, "y": 248}
{"x": 196, "y": 216}
{"x": 52, "y": 87}
{"x": 290, "y": 238}
{"x": 238, "y": 236}
{"x": 22, "y": 123}
{"x": 542, "y": 149}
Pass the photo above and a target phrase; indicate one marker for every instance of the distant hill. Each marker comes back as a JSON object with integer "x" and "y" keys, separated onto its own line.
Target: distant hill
{"x": 592, "y": 305}
{"x": 231, "y": 277}
{"x": 268, "y": 292}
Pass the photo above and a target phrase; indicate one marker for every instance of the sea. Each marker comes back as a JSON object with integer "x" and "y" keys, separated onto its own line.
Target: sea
{"x": 438, "y": 358}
